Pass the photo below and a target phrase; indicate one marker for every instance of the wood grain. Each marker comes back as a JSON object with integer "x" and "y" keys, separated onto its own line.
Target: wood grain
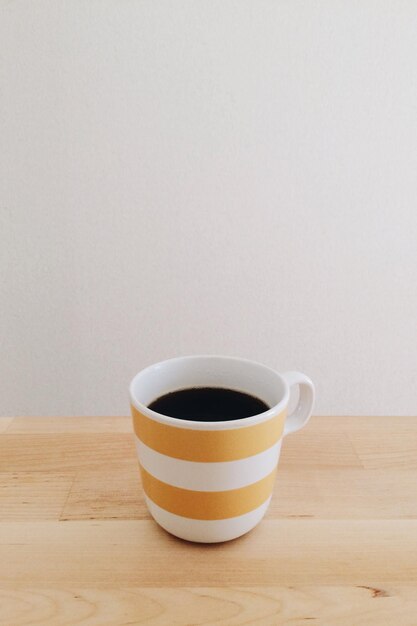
{"x": 277, "y": 552}
{"x": 344, "y": 493}
{"x": 210, "y": 606}
{"x": 5, "y": 423}
{"x": 70, "y": 451}
{"x": 39, "y": 425}
{"x": 33, "y": 495}
{"x": 338, "y": 545}
{"x": 110, "y": 491}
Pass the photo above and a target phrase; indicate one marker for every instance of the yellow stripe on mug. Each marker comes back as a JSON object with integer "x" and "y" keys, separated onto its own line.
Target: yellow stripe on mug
{"x": 208, "y": 445}
{"x": 207, "y": 505}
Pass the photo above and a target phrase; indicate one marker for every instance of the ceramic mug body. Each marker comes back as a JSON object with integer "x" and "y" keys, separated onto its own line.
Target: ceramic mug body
{"x": 213, "y": 481}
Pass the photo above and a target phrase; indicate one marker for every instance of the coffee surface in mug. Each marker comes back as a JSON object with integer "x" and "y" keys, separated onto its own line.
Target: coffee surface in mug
{"x": 208, "y": 404}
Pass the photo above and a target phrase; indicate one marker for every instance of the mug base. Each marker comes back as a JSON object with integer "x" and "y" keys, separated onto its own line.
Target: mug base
{"x": 206, "y": 531}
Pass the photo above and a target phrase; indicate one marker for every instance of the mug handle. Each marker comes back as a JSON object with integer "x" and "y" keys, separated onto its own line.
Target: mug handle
{"x": 302, "y": 413}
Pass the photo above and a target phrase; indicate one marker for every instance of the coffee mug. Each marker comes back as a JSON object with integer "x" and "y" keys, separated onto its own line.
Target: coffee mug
{"x": 212, "y": 481}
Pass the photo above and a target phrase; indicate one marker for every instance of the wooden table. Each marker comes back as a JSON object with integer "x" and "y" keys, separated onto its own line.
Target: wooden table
{"x": 338, "y": 545}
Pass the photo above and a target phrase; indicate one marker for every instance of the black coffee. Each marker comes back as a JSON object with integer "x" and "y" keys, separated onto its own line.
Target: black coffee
{"x": 208, "y": 404}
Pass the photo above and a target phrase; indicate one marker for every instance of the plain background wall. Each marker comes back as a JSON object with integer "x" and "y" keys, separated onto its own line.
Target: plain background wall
{"x": 209, "y": 176}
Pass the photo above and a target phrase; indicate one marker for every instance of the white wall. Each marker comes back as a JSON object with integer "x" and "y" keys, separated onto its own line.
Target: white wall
{"x": 216, "y": 176}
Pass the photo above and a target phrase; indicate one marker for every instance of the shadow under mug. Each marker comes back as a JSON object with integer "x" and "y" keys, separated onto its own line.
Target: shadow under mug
{"x": 213, "y": 481}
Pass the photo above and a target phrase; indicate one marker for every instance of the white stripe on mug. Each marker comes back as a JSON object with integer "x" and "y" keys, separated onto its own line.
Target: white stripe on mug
{"x": 208, "y": 476}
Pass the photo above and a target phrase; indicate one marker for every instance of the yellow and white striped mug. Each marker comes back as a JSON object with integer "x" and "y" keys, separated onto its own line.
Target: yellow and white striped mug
{"x": 212, "y": 481}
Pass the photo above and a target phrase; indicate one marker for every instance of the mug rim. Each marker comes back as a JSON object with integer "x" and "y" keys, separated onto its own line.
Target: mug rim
{"x": 220, "y": 425}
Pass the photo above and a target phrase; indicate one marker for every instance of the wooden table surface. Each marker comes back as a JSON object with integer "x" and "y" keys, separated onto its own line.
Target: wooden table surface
{"x": 338, "y": 545}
